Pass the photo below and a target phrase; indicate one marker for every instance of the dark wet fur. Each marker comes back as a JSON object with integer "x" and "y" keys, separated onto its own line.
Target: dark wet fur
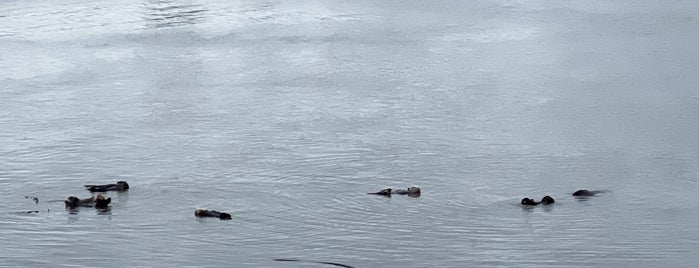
{"x": 95, "y": 201}
{"x": 547, "y": 200}
{"x": 388, "y": 192}
{"x": 212, "y": 213}
{"x": 119, "y": 186}
{"x": 584, "y": 192}
{"x": 385, "y": 192}
{"x": 321, "y": 262}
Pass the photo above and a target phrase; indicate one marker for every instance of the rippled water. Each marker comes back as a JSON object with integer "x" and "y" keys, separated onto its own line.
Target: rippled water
{"x": 286, "y": 114}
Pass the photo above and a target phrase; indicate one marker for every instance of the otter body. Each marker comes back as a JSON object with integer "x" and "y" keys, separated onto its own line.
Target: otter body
{"x": 584, "y": 192}
{"x": 413, "y": 191}
{"x": 98, "y": 201}
{"x": 547, "y": 200}
{"x": 212, "y": 213}
{"x": 119, "y": 186}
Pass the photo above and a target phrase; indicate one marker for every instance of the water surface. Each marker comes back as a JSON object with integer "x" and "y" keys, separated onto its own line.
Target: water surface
{"x": 286, "y": 114}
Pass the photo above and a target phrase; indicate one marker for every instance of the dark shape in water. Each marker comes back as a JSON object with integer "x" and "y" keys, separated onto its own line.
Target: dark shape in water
{"x": 547, "y": 200}
{"x": 119, "y": 186}
{"x": 412, "y": 191}
{"x": 321, "y": 262}
{"x": 34, "y": 198}
{"x": 584, "y": 192}
{"x": 95, "y": 201}
{"x": 212, "y": 213}
{"x": 27, "y": 212}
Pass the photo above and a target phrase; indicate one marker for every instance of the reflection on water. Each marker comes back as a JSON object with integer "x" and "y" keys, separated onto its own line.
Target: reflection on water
{"x": 169, "y": 13}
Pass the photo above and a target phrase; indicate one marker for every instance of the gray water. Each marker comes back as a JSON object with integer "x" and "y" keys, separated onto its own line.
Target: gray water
{"x": 285, "y": 114}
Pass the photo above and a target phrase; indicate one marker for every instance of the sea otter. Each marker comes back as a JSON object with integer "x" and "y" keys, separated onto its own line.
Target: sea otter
{"x": 413, "y": 191}
{"x": 547, "y": 200}
{"x": 94, "y": 201}
{"x": 584, "y": 192}
{"x": 212, "y": 213}
{"x": 119, "y": 186}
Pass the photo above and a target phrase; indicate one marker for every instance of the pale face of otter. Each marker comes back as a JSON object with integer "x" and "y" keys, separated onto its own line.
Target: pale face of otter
{"x": 101, "y": 201}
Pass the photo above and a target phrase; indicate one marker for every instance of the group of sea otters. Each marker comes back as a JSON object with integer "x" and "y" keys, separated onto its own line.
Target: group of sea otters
{"x": 99, "y": 201}
{"x": 102, "y": 202}
{"x": 547, "y": 200}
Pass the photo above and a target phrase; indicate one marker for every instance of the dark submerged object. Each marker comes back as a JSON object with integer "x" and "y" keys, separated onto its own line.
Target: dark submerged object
{"x": 34, "y": 198}
{"x": 547, "y": 200}
{"x": 212, "y": 213}
{"x": 584, "y": 192}
{"x": 27, "y": 212}
{"x": 413, "y": 191}
{"x": 119, "y": 186}
{"x": 95, "y": 201}
{"x": 321, "y": 262}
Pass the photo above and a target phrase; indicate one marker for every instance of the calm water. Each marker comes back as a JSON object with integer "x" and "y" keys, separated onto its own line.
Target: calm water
{"x": 286, "y": 113}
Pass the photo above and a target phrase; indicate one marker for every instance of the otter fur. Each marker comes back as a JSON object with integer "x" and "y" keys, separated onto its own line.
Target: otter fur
{"x": 119, "y": 186}
{"x": 413, "y": 191}
{"x": 584, "y": 192}
{"x": 98, "y": 201}
{"x": 547, "y": 200}
{"x": 212, "y": 213}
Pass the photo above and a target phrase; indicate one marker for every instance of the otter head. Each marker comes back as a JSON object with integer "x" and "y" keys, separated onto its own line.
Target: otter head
{"x": 224, "y": 216}
{"x": 413, "y": 190}
{"x": 72, "y": 202}
{"x": 200, "y": 212}
{"x": 547, "y": 200}
{"x": 101, "y": 201}
{"x": 122, "y": 185}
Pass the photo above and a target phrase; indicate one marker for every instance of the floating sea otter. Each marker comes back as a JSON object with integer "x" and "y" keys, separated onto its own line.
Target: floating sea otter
{"x": 119, "y": 186}
{"x": 547, "y": 200}
{"x": 584, "y": 192}
{"x": 212, "y": 213}
{"x": 412, "y": 191}
{"x": 98, "y": 201}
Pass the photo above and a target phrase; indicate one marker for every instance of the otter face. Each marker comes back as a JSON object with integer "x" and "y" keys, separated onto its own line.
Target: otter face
{"x": 122, "y": 185}
{"x": 72, "y": 202}
{"x": 414, "y": 190}
{"x": 101, "y": 201}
